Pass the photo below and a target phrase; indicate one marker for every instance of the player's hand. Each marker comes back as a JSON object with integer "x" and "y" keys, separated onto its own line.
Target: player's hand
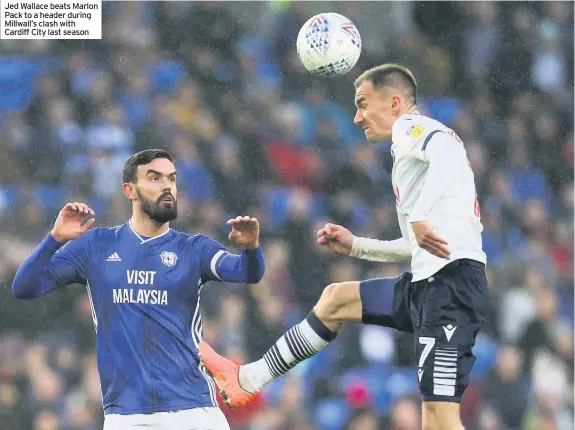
{"x": 69, "y": 225}
{"x": 336, "y": 238}
{"x": 245, "y": 232}
{"x": 428, "y": 240}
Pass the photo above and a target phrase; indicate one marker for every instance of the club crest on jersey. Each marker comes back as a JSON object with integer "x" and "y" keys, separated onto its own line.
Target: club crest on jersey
{"x": 169, "y": 258}
{"x": 415, "y": 131}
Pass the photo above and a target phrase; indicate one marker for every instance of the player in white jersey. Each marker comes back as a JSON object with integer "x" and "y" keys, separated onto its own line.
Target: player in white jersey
{"x": 443, "y": 300}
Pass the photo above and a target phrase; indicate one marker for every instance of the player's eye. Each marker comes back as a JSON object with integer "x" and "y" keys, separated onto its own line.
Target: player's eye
{"x": 154, "y": 179}
{"x": 172, "y": 179}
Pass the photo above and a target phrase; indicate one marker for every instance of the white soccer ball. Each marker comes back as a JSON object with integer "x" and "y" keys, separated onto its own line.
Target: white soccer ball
{"x": 328, "y": 45}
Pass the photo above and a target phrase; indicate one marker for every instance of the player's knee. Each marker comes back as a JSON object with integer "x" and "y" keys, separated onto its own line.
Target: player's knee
{"x": 333, "y": 302}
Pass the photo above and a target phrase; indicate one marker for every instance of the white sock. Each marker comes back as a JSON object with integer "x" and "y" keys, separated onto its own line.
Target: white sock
{"x": 258, "y": 372}
{"x": 299, "y": 343}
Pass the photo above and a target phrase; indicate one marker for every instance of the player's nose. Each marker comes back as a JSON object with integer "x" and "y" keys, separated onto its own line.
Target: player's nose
{"x": 168, "y": 185}
{"x": 168, "y": 189}
{"x": 358, "y": 118}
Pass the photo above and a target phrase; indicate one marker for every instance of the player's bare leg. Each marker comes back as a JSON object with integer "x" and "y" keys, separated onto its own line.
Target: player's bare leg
{"x": 441, "y": 416}
{"x": 339, "y": 303}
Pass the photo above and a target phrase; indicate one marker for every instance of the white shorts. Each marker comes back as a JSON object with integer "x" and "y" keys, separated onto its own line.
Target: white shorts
{"x": 211, "y": 418}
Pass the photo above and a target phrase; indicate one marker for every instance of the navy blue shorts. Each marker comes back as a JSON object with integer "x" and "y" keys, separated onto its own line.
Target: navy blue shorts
{"x": 444, "y": 312}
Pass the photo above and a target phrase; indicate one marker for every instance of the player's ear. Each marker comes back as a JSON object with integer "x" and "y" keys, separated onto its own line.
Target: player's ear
{"x": 395, "y": 102}
{"x": 130, "y": 191}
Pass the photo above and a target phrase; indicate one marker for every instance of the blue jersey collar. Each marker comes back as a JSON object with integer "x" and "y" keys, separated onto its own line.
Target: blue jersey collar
{"x": 141, "y": 239}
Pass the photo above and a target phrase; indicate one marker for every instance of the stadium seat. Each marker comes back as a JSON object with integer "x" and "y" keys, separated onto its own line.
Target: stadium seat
{"x": 16, "y": 82}
{"x": 137, "y": 109}
{"x": 267, "y": 72}
{"x": 486, "y": 352}
{"x": 492, "y": 246}
{"x": 273, "y": 390}
{"x": 322, "y": 363}
{"x": 529, "y": 183}
{"x": 444, "y": 110}
{"x": 382, "y": 402}
{"x": 276, "y": 203}
{"x": 50, "y": 197}
{"x": 166, "y": 76}
{"x": 100, "y": 206}
{"x": 402, "y": 382}
{"x": 361, "y": 215}
{"x": 196, "y": 181}
{"x": 319, "y": 208}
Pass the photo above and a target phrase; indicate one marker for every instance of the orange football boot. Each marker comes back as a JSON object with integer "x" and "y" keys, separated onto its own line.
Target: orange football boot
{"x": 226, "y": 374}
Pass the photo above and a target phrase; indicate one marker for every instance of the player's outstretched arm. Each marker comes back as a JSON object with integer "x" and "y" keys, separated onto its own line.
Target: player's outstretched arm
{"x": 339, "y": 239}
{"x": 43, "y": 271}
{"x": 248, "y": 267}
{"x": 384, "y": 251}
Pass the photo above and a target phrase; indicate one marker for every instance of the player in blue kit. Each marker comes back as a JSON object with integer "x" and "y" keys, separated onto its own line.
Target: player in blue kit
{"x": 144, "y": 281}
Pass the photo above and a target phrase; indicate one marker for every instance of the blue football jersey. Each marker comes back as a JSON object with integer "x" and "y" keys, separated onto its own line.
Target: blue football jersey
{"x": 145, "y": 295}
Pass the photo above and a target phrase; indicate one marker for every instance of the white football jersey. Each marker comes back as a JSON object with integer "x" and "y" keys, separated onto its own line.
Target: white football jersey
{"x": 455, "y": 216}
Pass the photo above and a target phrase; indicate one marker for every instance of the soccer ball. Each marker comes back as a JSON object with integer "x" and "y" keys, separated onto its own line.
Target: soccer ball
{"x": 328, "y": 45}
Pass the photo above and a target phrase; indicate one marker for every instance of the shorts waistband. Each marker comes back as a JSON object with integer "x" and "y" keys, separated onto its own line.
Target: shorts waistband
{"x": 453, "y": 265}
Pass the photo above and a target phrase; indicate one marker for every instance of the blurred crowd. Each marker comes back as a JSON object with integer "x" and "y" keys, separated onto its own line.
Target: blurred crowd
{"x": 220, "y": 86}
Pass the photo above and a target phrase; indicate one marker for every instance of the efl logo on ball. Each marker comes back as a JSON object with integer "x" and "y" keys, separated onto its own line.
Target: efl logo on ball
{"x": 329, "y": 45}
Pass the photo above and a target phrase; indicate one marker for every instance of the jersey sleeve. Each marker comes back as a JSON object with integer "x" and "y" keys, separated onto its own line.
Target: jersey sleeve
{"x": 69, "y": 265}
{"x": 387, "y": 251}
{"x": 211, "y": 253}
{"x": 217, "y": 264}
{"x": 52, "y": 265}
{"x": 413, "y": 135}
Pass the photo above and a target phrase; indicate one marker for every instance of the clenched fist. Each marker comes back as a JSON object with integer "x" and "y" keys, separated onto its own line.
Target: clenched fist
{"x": 336, "y": 238}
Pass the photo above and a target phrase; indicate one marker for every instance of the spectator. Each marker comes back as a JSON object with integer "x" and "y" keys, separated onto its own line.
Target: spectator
{"x": 506, "y": 390}
{"x": 405, "y": 415}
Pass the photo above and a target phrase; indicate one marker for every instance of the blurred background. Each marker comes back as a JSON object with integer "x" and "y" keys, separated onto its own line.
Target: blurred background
{"x": 220, "y": 86}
